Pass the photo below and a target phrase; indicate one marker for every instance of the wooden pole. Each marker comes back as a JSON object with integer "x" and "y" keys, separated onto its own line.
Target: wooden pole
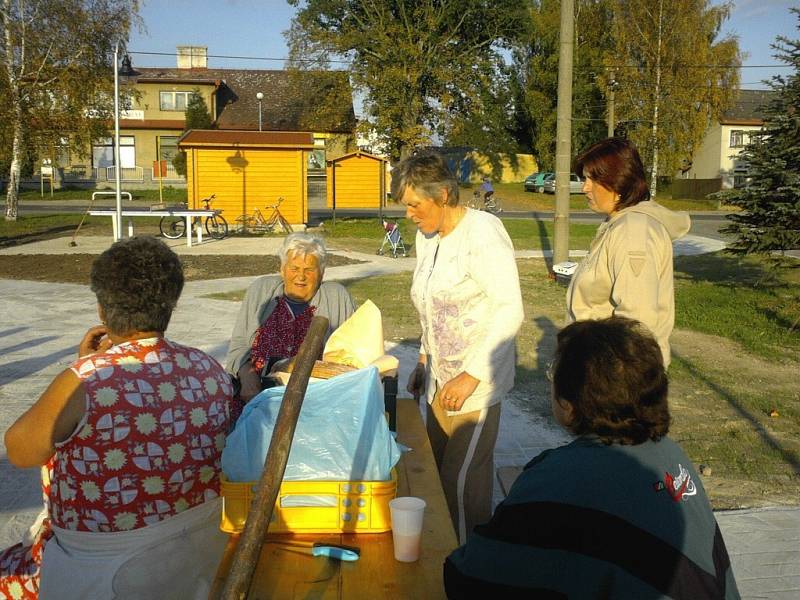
{"x": 248, "y": 549}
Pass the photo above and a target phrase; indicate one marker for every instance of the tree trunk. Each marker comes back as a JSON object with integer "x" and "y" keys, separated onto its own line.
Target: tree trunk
{"x": 12, "y": 193}
{"x": 656, "y": 101}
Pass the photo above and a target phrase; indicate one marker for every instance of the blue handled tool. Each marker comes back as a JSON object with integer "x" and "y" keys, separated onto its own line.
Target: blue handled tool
{"x": 337, "y": 551}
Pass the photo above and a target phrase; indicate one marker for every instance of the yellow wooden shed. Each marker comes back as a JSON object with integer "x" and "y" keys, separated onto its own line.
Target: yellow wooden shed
{"x": 356, "y": 180}
{"x": 248, "y": 170}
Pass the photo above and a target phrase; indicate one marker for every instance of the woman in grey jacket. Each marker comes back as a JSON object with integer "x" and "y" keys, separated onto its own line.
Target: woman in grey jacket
{"x": 628, "y": 272}
{"x": 277, "y": 310}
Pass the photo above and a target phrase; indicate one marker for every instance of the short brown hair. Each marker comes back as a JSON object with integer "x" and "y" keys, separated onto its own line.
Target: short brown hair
{"x": 137, "y": 282}
{"x": 615, "y": 163}
{"x": 612, "y": 373}
{"x": 428, "y": 174}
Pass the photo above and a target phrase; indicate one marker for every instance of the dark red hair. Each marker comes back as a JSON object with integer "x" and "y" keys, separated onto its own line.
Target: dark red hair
{"x": 615, "y": 163}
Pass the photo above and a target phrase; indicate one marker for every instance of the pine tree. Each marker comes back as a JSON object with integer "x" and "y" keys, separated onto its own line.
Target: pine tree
{"x": 197, "y": 117}
{"x": 770, "y": 203}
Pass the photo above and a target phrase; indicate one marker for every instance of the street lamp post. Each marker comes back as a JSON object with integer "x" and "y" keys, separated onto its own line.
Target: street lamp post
{"x": 129, "y": 75}
{"x": 117, "y": 179}
{"x": 259, "y": 97}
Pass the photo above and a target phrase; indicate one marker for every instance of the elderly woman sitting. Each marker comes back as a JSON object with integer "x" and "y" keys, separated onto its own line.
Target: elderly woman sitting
{"x": 132, "y": 434}
{"x": 277, "y": 311}
{"x": 618, "y": 513}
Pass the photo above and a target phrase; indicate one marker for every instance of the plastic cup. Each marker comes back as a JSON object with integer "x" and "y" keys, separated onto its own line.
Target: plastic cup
{"x": 407, "y": 513}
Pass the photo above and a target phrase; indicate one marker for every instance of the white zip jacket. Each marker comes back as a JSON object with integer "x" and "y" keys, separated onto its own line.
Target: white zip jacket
{"x": 466, "y": 292}
{"x": 628, "y": 272}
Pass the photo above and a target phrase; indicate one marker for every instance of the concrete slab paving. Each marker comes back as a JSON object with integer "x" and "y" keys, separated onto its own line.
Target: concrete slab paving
{"x": 42, "y": 323}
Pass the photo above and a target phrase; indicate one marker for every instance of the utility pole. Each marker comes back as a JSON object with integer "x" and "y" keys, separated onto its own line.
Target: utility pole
{"x": 563, "y": 132}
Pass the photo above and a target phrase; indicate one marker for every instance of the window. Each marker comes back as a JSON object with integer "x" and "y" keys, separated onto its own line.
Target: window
{"x": 174, "y": 100}
{"x": 103, "y": 152}
{"x": 167, "y": 147}
{"x": 737, "y": 138}
{"x": 741, "y": 173}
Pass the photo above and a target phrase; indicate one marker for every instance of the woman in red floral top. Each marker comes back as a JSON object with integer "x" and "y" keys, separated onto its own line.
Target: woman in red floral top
{"x": 132, "y": 435}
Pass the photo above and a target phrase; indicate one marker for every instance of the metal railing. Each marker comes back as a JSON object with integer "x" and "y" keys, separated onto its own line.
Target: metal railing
{"x": 126, "y": 174}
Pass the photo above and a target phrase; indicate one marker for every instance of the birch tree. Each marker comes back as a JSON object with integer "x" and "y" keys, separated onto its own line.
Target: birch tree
{"x": 675, "y": 75}
{"x": 56, "y": 75}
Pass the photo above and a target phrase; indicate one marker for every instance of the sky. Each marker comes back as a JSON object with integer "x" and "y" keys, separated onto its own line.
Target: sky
{"x": 254, "y": 28}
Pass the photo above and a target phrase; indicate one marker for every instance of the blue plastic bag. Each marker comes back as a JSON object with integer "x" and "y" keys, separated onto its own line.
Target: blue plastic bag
{"x": 341, "y": 433}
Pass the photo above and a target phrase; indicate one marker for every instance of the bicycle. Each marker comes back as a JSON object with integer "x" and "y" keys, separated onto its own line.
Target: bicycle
{"x": 489, "y": 204}
{"x": 257, "y": 222}
{"x": 175, "y": 227}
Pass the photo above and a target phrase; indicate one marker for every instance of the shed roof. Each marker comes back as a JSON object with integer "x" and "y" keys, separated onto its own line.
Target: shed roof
{"x": 251, "y": 139}
{"x": 291, "y": 98}
{"x": 357, "y": 154}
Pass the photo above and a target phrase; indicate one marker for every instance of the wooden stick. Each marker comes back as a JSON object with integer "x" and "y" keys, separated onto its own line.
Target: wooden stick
{"x": 248, "y": 549}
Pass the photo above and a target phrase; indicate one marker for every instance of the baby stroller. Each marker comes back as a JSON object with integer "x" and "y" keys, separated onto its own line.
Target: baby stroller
{"x": 392, "y": 239}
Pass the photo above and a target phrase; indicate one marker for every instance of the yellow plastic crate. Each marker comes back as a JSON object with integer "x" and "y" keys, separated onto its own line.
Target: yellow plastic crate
{"x": 351, "y": 506}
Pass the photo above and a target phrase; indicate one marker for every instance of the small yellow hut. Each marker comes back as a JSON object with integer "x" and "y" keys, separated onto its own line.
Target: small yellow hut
{"x": 356, "y": 180}
{"x": 248, "y": 170}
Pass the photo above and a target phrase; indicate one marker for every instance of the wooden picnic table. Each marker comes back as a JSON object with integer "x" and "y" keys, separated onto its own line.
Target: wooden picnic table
{"x": 284, "y": 574}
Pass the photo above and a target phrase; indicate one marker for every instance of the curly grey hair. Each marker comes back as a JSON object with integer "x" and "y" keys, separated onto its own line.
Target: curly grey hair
{"x": 137, "y": 282}
{"x": 304, "y": 244}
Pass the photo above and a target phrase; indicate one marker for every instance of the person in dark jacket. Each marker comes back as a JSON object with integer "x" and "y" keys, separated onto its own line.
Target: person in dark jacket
{"x": 618, "y": 513}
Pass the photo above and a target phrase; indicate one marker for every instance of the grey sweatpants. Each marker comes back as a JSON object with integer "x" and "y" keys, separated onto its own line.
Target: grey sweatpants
{"x": 463, "y": 446}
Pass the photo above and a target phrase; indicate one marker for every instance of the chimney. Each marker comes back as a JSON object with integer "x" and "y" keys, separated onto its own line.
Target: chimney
{"x": 192, "y": 57}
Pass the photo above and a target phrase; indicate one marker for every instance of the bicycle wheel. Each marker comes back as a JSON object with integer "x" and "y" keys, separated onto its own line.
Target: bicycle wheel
{"x": 172, "y": 227}
{"x": 287, "y": 228}
{"x": 217, "y": 227}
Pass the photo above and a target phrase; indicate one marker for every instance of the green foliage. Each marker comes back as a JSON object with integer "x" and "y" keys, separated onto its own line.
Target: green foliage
{"x": 197, "y": 113}
{"x": 197, "y": 117}
{"x": 535, "y": 68}
{"x": 675, "y": 75}
{"x": 770, "y": 203}
{"x": 55, "y": 76}
{"x": 415, "y": 62}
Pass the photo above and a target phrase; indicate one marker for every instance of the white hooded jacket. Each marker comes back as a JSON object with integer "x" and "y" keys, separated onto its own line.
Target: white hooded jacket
{"x": 628, "y": 271}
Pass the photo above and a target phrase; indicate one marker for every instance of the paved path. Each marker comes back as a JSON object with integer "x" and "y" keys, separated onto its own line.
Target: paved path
{"x": 43, "y": 322}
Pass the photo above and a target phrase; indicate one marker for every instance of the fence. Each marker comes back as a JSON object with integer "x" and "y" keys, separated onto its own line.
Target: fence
{"x": 695, "y": 189}
{"x": 126, "y": 174}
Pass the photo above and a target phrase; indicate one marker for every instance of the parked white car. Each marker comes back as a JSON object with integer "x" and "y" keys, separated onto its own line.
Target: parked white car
{"x": 575, "y": 184}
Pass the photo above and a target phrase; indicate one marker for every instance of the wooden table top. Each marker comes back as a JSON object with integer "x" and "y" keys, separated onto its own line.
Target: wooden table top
{"x": 284, "y": 574}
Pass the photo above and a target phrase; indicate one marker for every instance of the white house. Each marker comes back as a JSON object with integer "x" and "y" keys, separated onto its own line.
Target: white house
{"x": 717, "y": 156}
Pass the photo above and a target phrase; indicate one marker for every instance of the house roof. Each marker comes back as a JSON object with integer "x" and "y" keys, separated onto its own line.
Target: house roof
{"x": 283, "y": 107}
{"x": 250, "y": 139}
{"x": 748, "y": 108}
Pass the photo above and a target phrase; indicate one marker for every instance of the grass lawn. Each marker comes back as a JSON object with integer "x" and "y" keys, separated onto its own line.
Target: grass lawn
{"x": 30, "y": 228}
{"x": 365, "y": 234}
{"x": 513, "y": 197}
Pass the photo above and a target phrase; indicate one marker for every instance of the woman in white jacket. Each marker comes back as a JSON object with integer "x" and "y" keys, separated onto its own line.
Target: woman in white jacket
{"x": 466, "y": 291}
{"x": 628, "y": 271}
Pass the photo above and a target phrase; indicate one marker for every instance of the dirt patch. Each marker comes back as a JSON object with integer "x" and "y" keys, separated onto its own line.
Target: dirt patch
{"x": 75, "y": 268}
{"x": 739, "y": 415}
